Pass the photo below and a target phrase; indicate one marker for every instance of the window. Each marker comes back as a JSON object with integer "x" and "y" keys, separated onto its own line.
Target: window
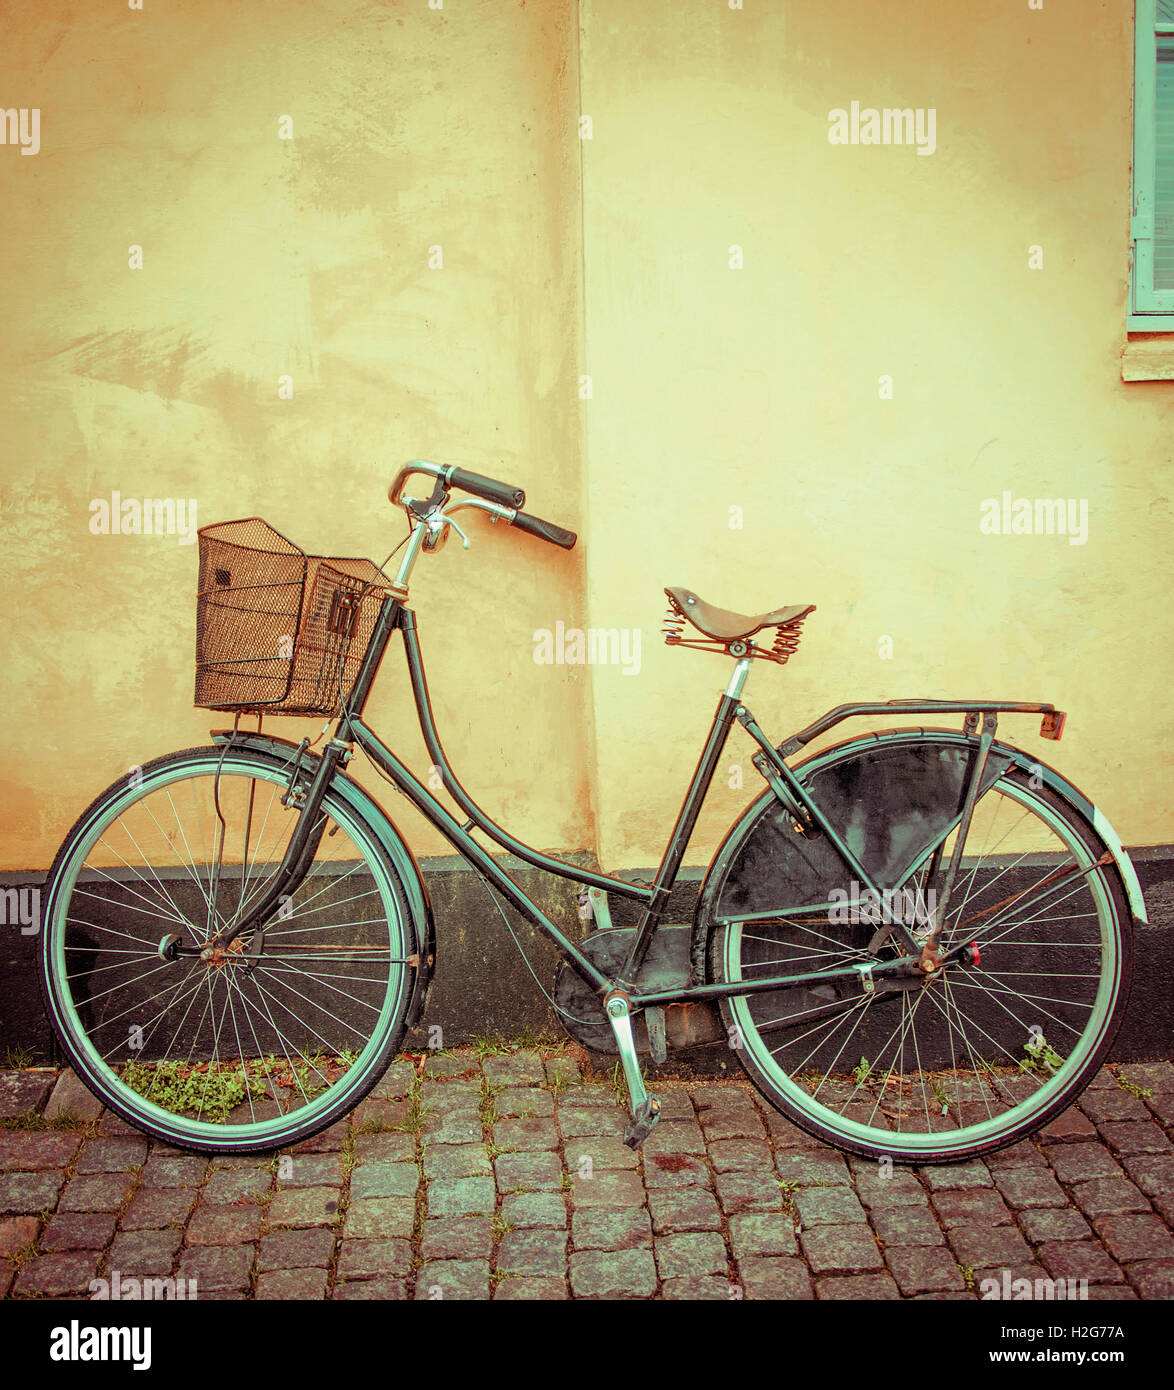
{"x": 1152, "y": 282}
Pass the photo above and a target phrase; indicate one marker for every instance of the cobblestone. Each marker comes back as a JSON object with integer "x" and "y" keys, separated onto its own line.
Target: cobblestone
{"x": 726, "y": 1200}
{"x": 775, "y": 1278}
{"x": 685, "y": 1256}
{"x": 613, "y": 1274}
{"x": 286, "y": 1284}
{"x": 840, "y": 1249}
{"x": 23, "y": 1093}
{"x": 523, "y": 1209}
{"x": 603, "y": 1228}
{"x": 306, "y": 1249}
{"x": 685, "y": 1209}
{"x": 97, "y": 1192}
{"x": 457, "y": 1238}
{"x": 923, "y": 1270}
{"x": 71, "y": 1230}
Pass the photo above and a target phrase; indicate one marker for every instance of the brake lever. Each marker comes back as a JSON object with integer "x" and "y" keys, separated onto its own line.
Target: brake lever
{"x": 457, "y": 529}
{"x": 439, "y": 493}
{"x": 435, "y": 526}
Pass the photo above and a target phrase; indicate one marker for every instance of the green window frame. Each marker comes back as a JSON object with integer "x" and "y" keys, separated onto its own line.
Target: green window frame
{"x": 1151, "y": 296}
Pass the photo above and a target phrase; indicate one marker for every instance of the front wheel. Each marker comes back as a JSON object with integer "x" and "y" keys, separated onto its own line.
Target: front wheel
{"x": 950, "y": 1066}
{"x": 224, "y": 1050}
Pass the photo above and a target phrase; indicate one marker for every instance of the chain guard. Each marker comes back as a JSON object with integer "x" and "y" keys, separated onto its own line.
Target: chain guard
{"x": 666, "y": 967}
{"x": 584, "y": 1018}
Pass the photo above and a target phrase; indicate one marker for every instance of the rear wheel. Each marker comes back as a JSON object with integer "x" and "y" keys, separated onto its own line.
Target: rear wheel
{"x": 946, "y": 1067}
{"x": 224, "y": 1050}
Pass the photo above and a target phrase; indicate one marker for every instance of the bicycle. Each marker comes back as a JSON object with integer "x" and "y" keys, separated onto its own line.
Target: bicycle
{"x": 236, "y": 937}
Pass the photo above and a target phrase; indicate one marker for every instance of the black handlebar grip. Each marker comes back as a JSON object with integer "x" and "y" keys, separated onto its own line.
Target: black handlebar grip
{"x": 545, "y": 530}
{"x": 486, "y": 488}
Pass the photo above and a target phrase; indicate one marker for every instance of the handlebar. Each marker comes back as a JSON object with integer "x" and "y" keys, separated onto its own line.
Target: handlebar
{"x": 489, "y": 489}
{"x": 544, "y": 530}
{"x": 505, "y": 499}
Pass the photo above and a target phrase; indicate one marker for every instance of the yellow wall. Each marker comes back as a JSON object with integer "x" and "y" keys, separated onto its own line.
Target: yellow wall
{"x": 712, "y": 388}
{"x": 759, "y": 388}
{"x": 261, "y": 256}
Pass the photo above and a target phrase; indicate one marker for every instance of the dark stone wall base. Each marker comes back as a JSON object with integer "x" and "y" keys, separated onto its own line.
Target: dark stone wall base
{"x": 483, "y": 988}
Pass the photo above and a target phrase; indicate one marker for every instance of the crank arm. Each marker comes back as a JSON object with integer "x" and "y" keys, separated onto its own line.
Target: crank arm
{"x": 645, "y": 1108}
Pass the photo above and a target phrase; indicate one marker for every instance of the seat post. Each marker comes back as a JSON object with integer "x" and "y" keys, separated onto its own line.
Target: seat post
{"x": 666, "y": 874}
{"x": 738, "y": 679}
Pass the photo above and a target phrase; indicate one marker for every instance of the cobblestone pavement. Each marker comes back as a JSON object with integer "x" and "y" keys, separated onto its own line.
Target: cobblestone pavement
{"x": 505, "y": 1176}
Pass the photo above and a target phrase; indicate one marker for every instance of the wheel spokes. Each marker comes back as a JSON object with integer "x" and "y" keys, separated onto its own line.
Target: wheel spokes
{"x": 281, "y": 1015}
{"x": 977, "y": 1045}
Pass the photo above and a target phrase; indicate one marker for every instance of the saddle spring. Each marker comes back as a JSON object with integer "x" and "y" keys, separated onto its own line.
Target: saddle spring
{"x": 785, "y": 643}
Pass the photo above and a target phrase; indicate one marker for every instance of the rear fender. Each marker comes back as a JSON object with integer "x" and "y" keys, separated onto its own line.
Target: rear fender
{"x": 890, "y": 796}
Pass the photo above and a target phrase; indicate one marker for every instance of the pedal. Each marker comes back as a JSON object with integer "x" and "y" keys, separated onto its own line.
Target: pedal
{"x": 643, "y": 1123}
{"x": 593, "y": 908}
{"x": 657, "y": 1042}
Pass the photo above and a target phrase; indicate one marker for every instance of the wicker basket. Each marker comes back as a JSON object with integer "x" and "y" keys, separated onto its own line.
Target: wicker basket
{"x": 278, "y": 630}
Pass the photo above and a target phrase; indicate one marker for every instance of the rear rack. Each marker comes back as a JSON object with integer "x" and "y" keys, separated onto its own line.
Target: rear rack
{"x": 1051, "y": 727}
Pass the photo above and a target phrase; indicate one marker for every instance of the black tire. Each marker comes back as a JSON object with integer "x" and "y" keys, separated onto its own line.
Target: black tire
{"x": 309, "y": 1088}
{"x": 1018, "y": 1091}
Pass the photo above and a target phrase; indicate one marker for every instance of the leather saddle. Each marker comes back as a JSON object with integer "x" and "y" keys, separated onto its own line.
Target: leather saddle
{"x": 726, "y": 626}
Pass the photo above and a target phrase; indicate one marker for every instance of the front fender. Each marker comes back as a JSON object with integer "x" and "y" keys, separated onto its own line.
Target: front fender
{"x": 415, "y": 889}
{"x": 889, "y": 795}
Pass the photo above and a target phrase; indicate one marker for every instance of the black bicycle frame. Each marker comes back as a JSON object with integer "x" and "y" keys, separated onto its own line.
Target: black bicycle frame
{"x": 351, "y": 728}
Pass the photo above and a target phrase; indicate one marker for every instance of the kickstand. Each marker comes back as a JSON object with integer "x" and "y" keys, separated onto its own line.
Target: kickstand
{"x": 645, "y": 1108}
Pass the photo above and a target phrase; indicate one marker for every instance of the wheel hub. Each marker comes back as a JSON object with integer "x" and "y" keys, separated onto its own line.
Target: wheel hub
{"x": 932, "y": 962}
{"x": 216, "y": 957}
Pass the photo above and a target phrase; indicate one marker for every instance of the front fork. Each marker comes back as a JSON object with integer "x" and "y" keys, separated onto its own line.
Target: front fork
{"x": 299, "y": 855}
